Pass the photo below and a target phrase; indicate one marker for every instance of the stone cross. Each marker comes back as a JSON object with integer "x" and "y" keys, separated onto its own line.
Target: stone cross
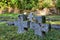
{"x": 40, "y": 19}
{"x": 22, "y": 25}
{"x": 40, "y": 30}
{"x": 39, "y": 27}
{"x": 30, "y": 16}
{"x": 36, "y": 28}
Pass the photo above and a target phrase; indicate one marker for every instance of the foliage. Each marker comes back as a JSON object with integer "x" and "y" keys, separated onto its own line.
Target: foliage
{"x": 14, "y": 3}
{"x": 47, "y": 3}
{"x": 3, "y": 4}
{"x": 58, "y": 3}
{"x": 26, "y": 4}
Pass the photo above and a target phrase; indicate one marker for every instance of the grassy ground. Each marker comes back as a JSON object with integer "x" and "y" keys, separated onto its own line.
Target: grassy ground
{"x": 10, "y": 32}
{"x": 54, "y": 17}
{"x": 12, "y": 17}
{"x": 55, "y": 22}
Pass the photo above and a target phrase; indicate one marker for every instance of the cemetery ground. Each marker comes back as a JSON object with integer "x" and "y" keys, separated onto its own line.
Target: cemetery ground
{"x": 10, "y": 32}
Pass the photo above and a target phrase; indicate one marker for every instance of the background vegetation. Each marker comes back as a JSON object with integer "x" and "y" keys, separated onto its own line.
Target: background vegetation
{"x": 18, "y": 5}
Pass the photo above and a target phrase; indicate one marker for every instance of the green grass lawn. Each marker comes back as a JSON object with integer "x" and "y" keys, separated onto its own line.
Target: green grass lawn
{"x": 54, "y": 17}
{"x": 53, "y": 22}
{"x": 12, "y": 17}
{"x": 10, "y": 32}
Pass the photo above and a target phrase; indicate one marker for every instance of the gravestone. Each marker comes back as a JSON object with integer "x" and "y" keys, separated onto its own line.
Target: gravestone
{"x": 23, "y": 26}
{"x": 40, "y": 19}
{"x": 10, "y": 23}
{"x": 23, "y": 17}
{"x": 20, "y": 17}
{"x": 30, "y": 16}
{"x": 45, "y": 27}
{"x": 43, "y": 19}
{"x": 24, "y": 23}
{"x": 20, "y": 23}
{"x": 20, "y": 28}
{"x": 37, "y": 29}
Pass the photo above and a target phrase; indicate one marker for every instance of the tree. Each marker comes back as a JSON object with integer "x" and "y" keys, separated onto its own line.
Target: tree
{"x": 58, "y": 3}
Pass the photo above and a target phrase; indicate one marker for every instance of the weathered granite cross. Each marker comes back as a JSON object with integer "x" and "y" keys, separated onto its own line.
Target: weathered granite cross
{"x": 20, "y": 23}
{"x": 30, "y": 16}
{"x": 39, "y": 28}
{"x": 40, "y": 19}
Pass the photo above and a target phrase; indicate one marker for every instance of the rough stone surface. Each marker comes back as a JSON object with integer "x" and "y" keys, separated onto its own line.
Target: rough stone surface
{"x": 38, "y": 19}
{"x": 36, "y": 28}
{"x": 45, "y": 27}
{"x": 30, "y": 16}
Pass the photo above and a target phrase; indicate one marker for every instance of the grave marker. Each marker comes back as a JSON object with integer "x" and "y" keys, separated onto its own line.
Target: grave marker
{"x": 39, "y": 27}
{"x": 40, "y": 19}
{"x": 30, "y": 16}
{"x": 45, "y": 27}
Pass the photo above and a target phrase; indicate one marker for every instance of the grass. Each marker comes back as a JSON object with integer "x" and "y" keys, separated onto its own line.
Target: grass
{"x": 53, "y": 16}
{"x": 53, "y": 22}
{"x": 10, "y": 17}
{"x": 10, "y": 32}
{"x": 56, "y": 22}
{"x": 57, "y": 17}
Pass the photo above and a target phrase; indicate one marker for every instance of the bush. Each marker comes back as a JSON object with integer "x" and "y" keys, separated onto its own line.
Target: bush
{"x": 58, "y": 3}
